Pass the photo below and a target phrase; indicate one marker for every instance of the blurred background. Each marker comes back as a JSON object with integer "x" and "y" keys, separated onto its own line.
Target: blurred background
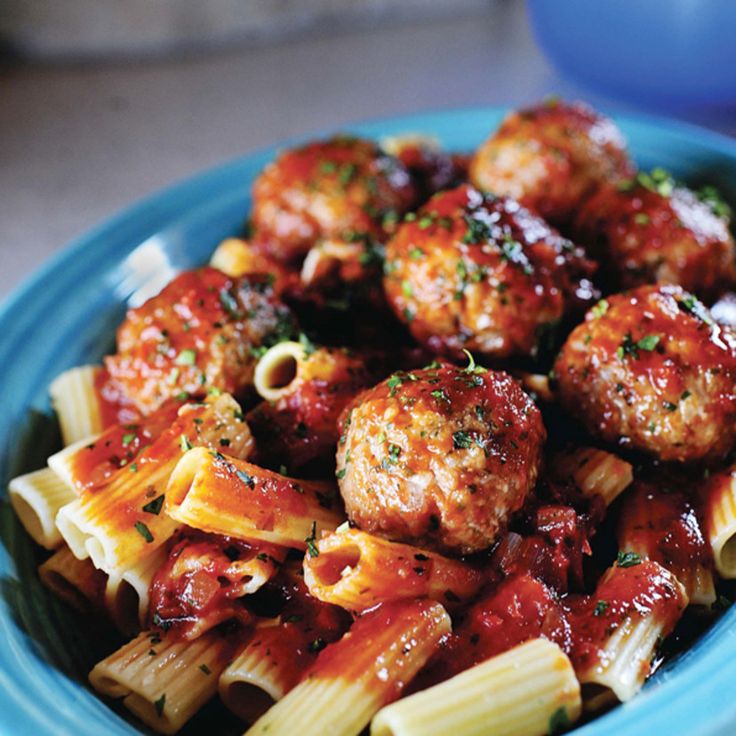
{"x": 105, "y": 101}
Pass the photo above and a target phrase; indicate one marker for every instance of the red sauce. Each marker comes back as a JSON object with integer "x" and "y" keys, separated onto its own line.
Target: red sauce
{"x": 201, "y": 583}
{"x": 119, "y": 446}
{"x": 301, "y": 426}
{"x": 661, "y": 523}
{"x": 519, "y": 609}
{"x": 306, "y": 627}
{"x": 639, "y": 590}
{"x": 378, "y": 647}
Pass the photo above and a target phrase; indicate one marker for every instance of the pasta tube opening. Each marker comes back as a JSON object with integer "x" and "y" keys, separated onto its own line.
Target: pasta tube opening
{"x": 277, "y": 370}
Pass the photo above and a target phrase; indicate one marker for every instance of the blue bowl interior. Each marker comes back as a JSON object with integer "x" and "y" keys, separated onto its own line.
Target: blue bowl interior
{"x": 66, "y": 315}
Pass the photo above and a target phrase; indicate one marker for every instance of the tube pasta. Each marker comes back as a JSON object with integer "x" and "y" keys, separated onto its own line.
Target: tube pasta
{"x": 353, "y": 678}
{"x": 719, "y": 503}
{"x": 161, "y": 680}
{"x": 523, "y": 692}
{"x": 278, "y": 369}
{"x": 36, "y": 498}
{"x": 637, "y": 607}
{"x": 74, "y": 398}
{"x": 662, "y": 526}
{"x": 122, "y": 524}
{"x": 356, "y": 570}
{"x": 62, "y": 462}
{"x": 256, "y": 679}
{"x": 75, "y": 581}
{"x": 595, "y": 472}
{"x": 214, "y": 493}
{"x": 331, "y": 256}
{"x": 127, "y": 594}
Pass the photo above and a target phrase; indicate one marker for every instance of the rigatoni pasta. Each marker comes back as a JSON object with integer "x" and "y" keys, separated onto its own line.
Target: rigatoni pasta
{"x": 218, "y": 493}
{"x": 76, "y": 402}
{"x": 122, "y": 524}
{"x": 356, "y": 570}
{"x": 530, "y": 690}
{"x": 353, "y": 678}
{"x": 36, "y": 499}
{"x": 164, "y": 682}
{"x": 78, "y": 582}
{"x": 719, "y": 516}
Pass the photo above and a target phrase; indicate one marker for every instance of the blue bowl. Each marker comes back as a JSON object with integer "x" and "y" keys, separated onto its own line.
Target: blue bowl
{"x": 65, "y": 315}
{"x": 677, "y": 52}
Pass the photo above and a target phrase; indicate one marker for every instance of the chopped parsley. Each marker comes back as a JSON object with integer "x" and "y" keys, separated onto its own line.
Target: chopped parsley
{"x": 628, "y": 559}
{"x": 186, "y": 357}
{"x": 462, "y": 440}
{"x": 629, "y": 347}
{"x": 599, "y": 309}
{"x": 184, "y": 443}
{"x": 600, "y": 608}
{"x": 317, "y": 645}
{"x": 559, "y": 721}
{"x": 144, "y": 531}
{"x": 155, "y": 506}
{"x": 205, "y": 669}
{"x": 159, "y": 705}
{"x": 128, "y": 438}
{"x": 310, "y": 540}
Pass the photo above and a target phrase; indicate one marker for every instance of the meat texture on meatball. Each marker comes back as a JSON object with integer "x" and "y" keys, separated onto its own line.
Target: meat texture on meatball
{"x": 550, "y": 156}
{"x": 440, "y": 457}
{"x": 648, "y": 230}
{"x": 651, "y": 370}
{"x": 479, "y": 272}
{"x": 343, "y": 189}
{"x": 201, "y": 333}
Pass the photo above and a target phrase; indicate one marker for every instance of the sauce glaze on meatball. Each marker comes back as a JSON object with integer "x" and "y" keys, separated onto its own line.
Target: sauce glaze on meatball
{"x": 198, "y": 334}
{"x": 478, "y": 272}
{"x": 343, "y": 188}
{"x": 439, "y": 457}
{"x": 651, "y": 370}
{"x": 550, "y": 156}
{"x": 648, "y": 230}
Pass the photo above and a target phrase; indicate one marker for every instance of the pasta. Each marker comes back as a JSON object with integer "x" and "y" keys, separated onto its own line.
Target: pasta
{"x": 298, "y": 478}
{"x": 661, "y": 525}
{"x": 163, "y": 681}
{"x": 719, "y": 501}
{"x": 531, "y": 690}
{"x": 356, "y": 570}
{"x": 75, "y": 400}
{"x": 75, "y": 581}
{"x": 217, "y": 493}
{"x": 36, "y": 498}
{"x": 348, "y": 683}
{"x": 123, "y": 524}
{"x": 635, "y": 605}
{"x": 595, "y": 472}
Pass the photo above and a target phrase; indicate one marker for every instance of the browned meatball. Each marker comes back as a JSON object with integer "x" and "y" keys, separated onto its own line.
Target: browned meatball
{"x": 550, "y": 156}
{"x": 439, "y": 457}
{"x": 343, "y": 188}
{"x": 200, "y": 333}
{"x": 648, "y": 230}
{"x": 650, "y": 369}
{"x": 477, "y": 272}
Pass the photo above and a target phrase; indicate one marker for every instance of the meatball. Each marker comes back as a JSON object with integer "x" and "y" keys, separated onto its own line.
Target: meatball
{"x": 647, "y": 230}
{"x": 439, "y": 457}
{"x": 344, "y": 188}
{"x": 201, "y": 333}
{"x": 550, "y": 156}
{"x": 651, "y": 370}
{"x": 479, "y": 272}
